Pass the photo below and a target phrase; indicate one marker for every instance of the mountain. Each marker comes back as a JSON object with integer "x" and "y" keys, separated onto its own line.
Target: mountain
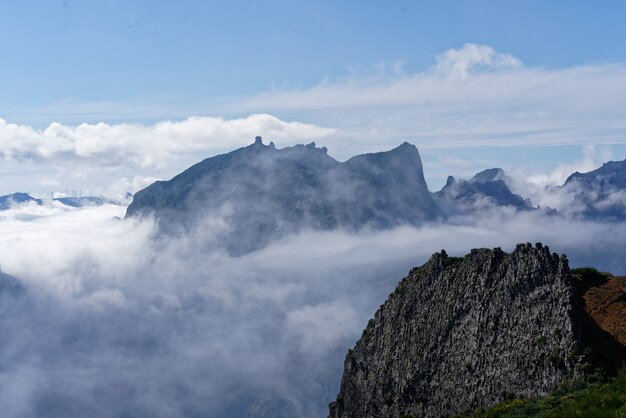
{"x": 599, "y": 194}
{"x": 79, "y": 202}
{"x": 259, "y": 193}
{"x": 18, "y": 198}
{"x": 464, "y": 333}
{"x": 9, "y": 285}
{"x": 9, "y": 200}
{"x": 486, "y": 189}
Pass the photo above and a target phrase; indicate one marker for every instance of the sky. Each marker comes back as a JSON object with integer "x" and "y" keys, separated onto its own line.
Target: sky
{"x": 105, "y": 97}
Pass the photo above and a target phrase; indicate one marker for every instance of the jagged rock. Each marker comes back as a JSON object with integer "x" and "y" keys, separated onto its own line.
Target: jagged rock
{"x": 263, "y": 193}
{"x": 461, "y": 333}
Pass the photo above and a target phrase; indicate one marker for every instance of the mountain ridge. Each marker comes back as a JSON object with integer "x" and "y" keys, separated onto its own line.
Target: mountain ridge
{"x": 264, "y": 193}
{"x": 466, "y": 333}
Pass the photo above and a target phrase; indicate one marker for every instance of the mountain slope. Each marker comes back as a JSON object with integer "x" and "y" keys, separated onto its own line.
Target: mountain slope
{"x": 461, "y": 333}
{"x": 259, "y": 193}
{"x": 599, "y": 194}
{"x": 7, "y": 201}
{"x": 9, "y": 285}
{"x": 486, "y": 189}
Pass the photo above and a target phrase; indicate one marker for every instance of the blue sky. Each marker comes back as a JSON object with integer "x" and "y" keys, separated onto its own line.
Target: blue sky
{"x": 193, "y": 50}
{"x": 141, "y": 63}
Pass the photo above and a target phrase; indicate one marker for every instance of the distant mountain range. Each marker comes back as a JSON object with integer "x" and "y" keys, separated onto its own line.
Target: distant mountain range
{"x": 260, "y": 193}
{"x": 10, "y": 200}
{"x": 251, "y": 196}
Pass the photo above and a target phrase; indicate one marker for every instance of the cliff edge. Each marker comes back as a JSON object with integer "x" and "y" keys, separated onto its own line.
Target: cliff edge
{"x": 467, "y": 333}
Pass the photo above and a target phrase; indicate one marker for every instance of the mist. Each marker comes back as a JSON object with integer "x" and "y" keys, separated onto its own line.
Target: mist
{"x": 115, "y": 320}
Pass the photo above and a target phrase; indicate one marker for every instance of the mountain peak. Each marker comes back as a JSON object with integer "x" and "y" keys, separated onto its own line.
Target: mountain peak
{"x": 491, "y": 174}
{"x": 405, "y": 147}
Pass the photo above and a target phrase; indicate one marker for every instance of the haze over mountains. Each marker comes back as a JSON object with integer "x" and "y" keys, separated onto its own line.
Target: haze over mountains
{"x": 259, "y": 193}
{"x": 486, "y": 189}
{"x": 264, "y": 193}
{"x": 236, "y": 287}
{"x": 19, "y": 198}
{"x": 270, "y": 193}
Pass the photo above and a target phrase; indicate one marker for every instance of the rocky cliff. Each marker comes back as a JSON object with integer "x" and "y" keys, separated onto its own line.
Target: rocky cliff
{"x": 464, "y": 333}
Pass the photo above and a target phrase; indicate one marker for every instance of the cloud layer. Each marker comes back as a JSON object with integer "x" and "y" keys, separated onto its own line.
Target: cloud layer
{"x": 116, "y": 321}
{"x": 144, "y": 146}
{"x": 471, "y": 96}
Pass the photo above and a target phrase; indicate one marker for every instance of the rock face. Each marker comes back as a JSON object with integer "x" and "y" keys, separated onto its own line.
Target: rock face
{"x": 261, "y": 193}
{"x": 486, "y": 189}
{"x": 461, "y": 333}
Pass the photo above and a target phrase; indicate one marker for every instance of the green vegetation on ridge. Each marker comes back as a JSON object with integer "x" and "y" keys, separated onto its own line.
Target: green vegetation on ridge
{"x": 606, "y": 399}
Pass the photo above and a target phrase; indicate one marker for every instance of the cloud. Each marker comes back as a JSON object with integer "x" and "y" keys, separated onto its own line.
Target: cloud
{"x": 473, "y": 96}
{"x": 123, "y": 322}
{"x": 540, "y": 187}
{"x": 593, "y": 157}
{"x": 459, "y": 62}
{"x": 145, "y": 146}
{"x": 469, "y": 98}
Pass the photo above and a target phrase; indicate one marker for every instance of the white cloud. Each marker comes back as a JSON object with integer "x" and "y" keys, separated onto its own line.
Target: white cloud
{"x": 539, "y": 186}
{"x": 459, "y": 62}
{"x": 471, "y": 97}
{"x": 321, "y": 327}
{"x": 118, "y": 190}
{"x": 114, "y": 309}
{"x": 145, "y": 146}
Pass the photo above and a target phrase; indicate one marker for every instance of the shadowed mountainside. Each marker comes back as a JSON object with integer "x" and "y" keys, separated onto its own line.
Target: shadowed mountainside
{"x": 599, "y": 194}
{"x": 263, "y": 193}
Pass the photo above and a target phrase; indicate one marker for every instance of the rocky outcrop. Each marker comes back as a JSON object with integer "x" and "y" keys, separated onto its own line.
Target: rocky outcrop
{"x": 464, "y": 333}
{"x": 260, "y": 193}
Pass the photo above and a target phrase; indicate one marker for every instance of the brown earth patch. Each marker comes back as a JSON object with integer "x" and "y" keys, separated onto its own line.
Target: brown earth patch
{"x": 606, "y": 305}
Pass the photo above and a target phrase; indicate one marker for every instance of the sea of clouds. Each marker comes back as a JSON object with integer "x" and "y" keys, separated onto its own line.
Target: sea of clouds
{"x": 115, "y": 320}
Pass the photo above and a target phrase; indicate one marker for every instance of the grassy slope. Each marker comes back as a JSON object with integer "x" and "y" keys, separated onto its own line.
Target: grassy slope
{"x": 606, "y": 399}
{"x": 580, "y": 399}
